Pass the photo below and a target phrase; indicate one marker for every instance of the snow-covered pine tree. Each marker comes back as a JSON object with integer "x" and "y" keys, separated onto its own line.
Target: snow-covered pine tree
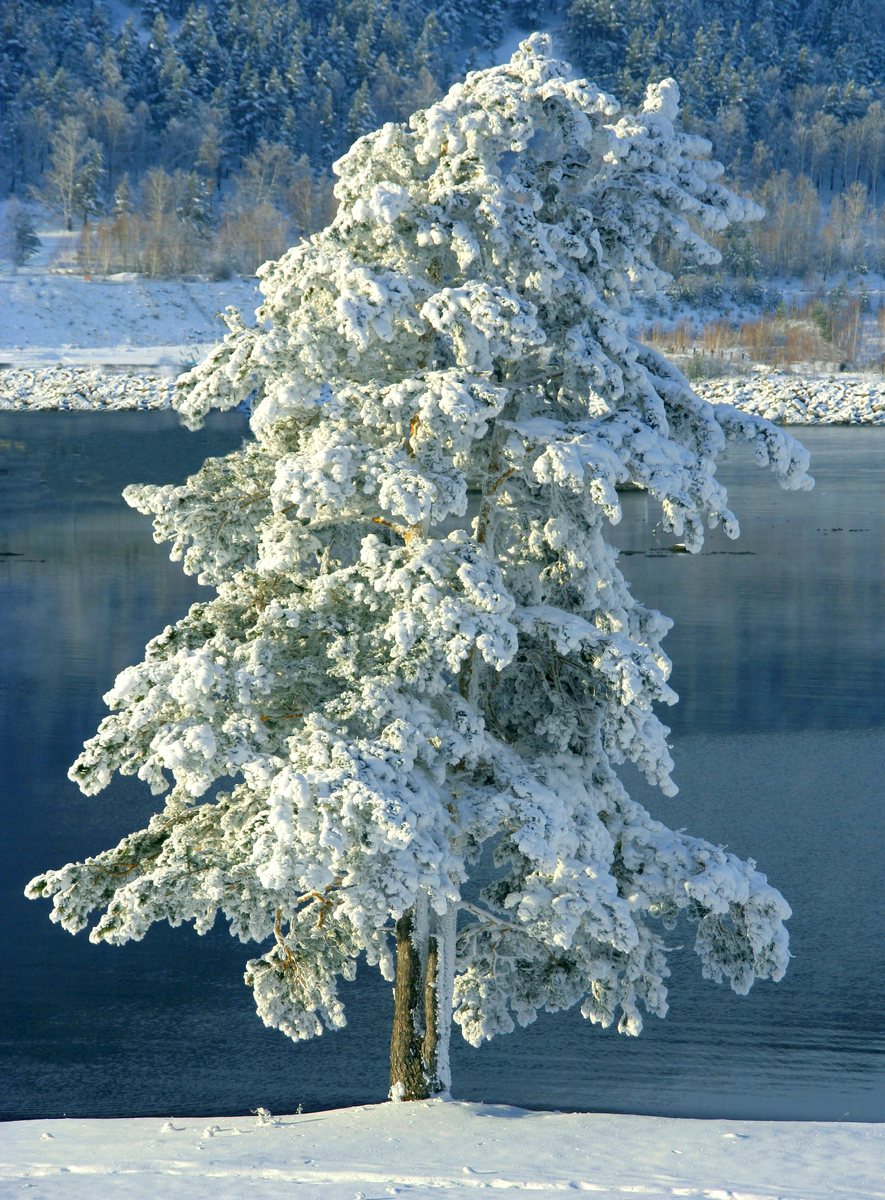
{"x": 388, "y": 697}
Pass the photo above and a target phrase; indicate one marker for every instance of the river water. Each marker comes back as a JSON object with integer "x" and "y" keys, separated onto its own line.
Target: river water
{"x": 779, "y": 740}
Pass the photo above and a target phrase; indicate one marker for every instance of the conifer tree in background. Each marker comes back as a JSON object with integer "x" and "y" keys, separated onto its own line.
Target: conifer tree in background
{"x": 20, "y": 240}
{"x": 389, "y": 688}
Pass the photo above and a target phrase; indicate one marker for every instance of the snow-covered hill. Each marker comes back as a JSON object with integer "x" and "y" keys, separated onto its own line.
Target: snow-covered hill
{"x": 67, "y": 341}
{"x": 441, "y": 1150}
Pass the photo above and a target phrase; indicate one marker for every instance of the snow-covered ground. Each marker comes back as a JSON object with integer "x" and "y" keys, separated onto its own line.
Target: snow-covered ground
{"x": 442, "y": 1150}
{"x": 119, "y": 342}
{"x": 785, "y": 399}
{"x": 49, "y": 319}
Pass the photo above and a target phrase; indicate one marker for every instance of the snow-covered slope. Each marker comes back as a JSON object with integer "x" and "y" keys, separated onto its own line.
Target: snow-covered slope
{"x": 441, "y": 1150}
{"x": 120, "y": 342}
{"x": 48, "y": 319}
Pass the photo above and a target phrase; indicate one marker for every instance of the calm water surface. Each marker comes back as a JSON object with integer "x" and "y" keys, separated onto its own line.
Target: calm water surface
{"x": 779, "y": 739}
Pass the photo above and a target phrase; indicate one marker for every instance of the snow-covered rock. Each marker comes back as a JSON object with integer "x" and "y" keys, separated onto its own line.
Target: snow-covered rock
{"x": 796, "y": 400}
{"x": 784, "y": 399}
{"x": 83, "y": 388}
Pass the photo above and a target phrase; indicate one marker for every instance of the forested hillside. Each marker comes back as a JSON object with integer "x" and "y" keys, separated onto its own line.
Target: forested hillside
{"x": 202, "y": 135}
{"x": 793, "y": 84}
{"x": 198, "y": 86}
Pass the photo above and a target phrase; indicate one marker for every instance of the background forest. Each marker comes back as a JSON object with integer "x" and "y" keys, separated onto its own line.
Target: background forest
{"x": 182, "y": 138}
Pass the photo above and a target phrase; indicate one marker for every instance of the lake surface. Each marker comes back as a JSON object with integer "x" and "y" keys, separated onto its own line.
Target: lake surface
{"x": 779, "y": 740}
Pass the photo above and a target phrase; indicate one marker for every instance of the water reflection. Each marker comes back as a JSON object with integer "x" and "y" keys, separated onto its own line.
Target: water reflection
{"x": 783, "y": 628}
{"x": 779, "y": 740}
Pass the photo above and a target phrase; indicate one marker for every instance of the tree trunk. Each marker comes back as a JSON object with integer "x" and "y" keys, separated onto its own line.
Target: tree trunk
{"x": 408, "y": 1077}
{"x": 431, "y": 1016}
{"x": 422, "y": 1005}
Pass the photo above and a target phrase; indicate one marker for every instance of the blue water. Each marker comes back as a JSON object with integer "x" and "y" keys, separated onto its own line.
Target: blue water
{"x": 779, "y": 739}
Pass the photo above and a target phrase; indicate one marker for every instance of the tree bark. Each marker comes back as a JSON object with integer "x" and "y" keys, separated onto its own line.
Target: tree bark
{"x": 431, "y": 1018}
{"x": 408, "y": 1077}
{"x": 415, "y": 1068}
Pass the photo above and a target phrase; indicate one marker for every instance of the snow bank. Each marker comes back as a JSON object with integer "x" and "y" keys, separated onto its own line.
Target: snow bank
{"x": 794, "y": 400}
{"x": 117, "y": 342}
{"x": 442, "y": 1150}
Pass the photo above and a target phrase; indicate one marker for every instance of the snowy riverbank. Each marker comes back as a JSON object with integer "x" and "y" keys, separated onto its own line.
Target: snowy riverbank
{"x": 86, "y": 389}
{"x": 785, "y": 399}
{"x": 794, "y": 400}
{"x": 444, "y": 1151}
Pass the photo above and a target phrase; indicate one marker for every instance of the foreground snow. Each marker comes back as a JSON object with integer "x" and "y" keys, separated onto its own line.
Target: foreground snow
{"x": 442, "y": 1149}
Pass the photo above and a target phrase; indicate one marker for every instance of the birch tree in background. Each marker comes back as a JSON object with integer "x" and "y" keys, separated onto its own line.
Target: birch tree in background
{"x": 385, "y": 697}
{"x": 73, "y": 180}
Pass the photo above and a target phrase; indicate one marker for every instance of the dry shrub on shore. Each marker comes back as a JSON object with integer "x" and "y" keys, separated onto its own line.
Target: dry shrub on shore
{"x": 826, "y": 330}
